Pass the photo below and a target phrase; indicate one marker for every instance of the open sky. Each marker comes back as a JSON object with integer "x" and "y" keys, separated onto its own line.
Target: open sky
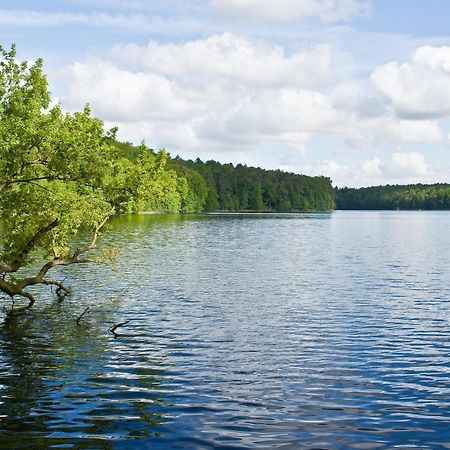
{"x": 357, "y": 90}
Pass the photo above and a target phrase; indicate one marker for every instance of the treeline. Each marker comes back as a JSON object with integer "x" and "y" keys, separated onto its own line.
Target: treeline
{"x": 177, "y": 185}
{"x": 144, "y": 180}
{"x": 415, "y": 196}
{"x": 242, "y": 188}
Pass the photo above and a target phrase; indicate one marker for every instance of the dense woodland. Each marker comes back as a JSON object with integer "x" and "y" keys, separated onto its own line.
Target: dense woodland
{"x": 192, "y": 186}
{"x": 242, "y": 188}
{"x": 415, "y": 196}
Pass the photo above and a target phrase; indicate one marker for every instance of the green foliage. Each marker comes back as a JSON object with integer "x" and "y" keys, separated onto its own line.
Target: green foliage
{"x": 143, "y": 180}
{"x": 242, "y": 188}
{"x": 255, "y": 201}
{"x": 52, "y": 165}
{"x": 195, "y": 190}
{"x": 212, "y": 203}
{"x": 416, "y": 196}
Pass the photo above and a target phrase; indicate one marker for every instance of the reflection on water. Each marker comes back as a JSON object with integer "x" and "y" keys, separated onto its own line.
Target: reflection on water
{"x": 262, "y": 331}
{"x": 66, "y": 384}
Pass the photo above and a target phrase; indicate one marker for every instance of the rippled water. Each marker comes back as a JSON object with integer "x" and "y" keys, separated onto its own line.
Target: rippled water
{"x": 264, "y": 331}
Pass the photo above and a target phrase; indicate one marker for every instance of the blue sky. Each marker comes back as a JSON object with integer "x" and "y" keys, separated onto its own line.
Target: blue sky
{"x": 357, "y": 90}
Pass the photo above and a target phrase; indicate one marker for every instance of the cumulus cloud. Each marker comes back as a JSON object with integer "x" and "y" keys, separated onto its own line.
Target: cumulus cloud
{"x": 125, "y": 96}
{"x": 398, "y": 168}
{"x": 412, "y": 163}
{"x": 415, "y": 131}
{"x": 232, "y": 57}
{"x": 281, "y": 111}
{"x": 358, "y": 98}
{"x": 420, "y": 88}
{"x": 372, "y": 168}
{"x": 290, "y": 10}
{"x": 223, "y": 89}
{"x": 236, "y": 91}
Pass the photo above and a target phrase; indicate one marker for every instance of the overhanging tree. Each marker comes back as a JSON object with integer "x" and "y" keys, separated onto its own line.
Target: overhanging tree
{"x": 53, "y": 168}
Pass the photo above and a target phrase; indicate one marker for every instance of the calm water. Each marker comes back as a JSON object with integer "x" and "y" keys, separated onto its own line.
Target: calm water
{"x": 268, "y": 331}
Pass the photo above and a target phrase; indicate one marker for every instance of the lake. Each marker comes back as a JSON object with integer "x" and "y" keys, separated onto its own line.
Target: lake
{"x": 285, "y": 331}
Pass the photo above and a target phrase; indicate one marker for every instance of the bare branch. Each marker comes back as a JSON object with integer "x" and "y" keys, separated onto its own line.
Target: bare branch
{"x": 6, "y": 287}
{"x": 57, "y": 261}
{"x": 17, "y": 288}
{"x": 61, "y": 290}
{"x": 82, "y": 314}
{"x": 116, "y": 296}
{"x": 113, "y": 329}
{"x": 29, "y": 296}
{"x": 93, "y": 243}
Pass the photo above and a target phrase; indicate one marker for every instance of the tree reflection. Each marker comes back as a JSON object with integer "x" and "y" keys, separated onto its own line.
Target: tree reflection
{"x": 64, "y": 384}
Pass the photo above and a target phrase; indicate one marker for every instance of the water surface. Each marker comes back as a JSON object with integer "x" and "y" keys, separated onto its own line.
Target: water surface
{"x": 247, "y": 331}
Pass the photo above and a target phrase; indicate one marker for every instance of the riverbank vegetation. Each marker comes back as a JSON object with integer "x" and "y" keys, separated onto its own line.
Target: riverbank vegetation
{"x": 197, "y": 186}
{"x": 415, "y": 196}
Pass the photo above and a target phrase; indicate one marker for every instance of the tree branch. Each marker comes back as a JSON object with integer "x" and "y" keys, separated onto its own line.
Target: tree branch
{"x": 93, "y": 243}
{"x": 82, "y": 314}
{"x": 113, "y": 329}
{"x": 17, "y": 288}
{"x": 17, "y": 264}
{"x": 29, "y": 296}
{"x": 6, "y": 184}
{"x": 61, "y": 290}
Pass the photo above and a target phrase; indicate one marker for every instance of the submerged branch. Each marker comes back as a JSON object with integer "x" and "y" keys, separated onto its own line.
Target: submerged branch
{"x": 113, "y": 329}
{"x": 82, "y": 314}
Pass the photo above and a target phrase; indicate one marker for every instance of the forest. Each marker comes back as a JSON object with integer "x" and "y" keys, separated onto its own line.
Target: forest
{"x": 195, "y": 186}
{"x": 242, "y": 188}
{"x": 414, "y": 196}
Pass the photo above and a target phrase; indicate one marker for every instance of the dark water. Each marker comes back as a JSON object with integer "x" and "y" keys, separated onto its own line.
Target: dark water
{"x": 290, "y": 331}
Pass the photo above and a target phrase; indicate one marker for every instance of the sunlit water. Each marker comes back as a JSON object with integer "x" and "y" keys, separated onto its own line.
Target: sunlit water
{"x": 265, "y": 331}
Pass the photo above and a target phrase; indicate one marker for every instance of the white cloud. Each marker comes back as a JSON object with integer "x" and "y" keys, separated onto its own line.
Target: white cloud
{"x": 359, "y": 99}
{"x": 415, "y": 131}
{"x": 437, "y": 58}
{"x": 228, "y": 56}
{"x": 117, "y": 94}
{"x": 45, "y": 19}
{"x": 371, "y": 167}
{"x": 135, "y": 4}
{"x": 331, "y": 169}
{"x": 167, "y": 5}
{"x": 399, "y": 168}
{"x": 290, "y": 10}
{"x": 220, "y": 90}
{"x": 369, "y": 172}
{"x": 281, "y": 111}
{"x": 412, "y": 163}
{"x": 419, "y": 88}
